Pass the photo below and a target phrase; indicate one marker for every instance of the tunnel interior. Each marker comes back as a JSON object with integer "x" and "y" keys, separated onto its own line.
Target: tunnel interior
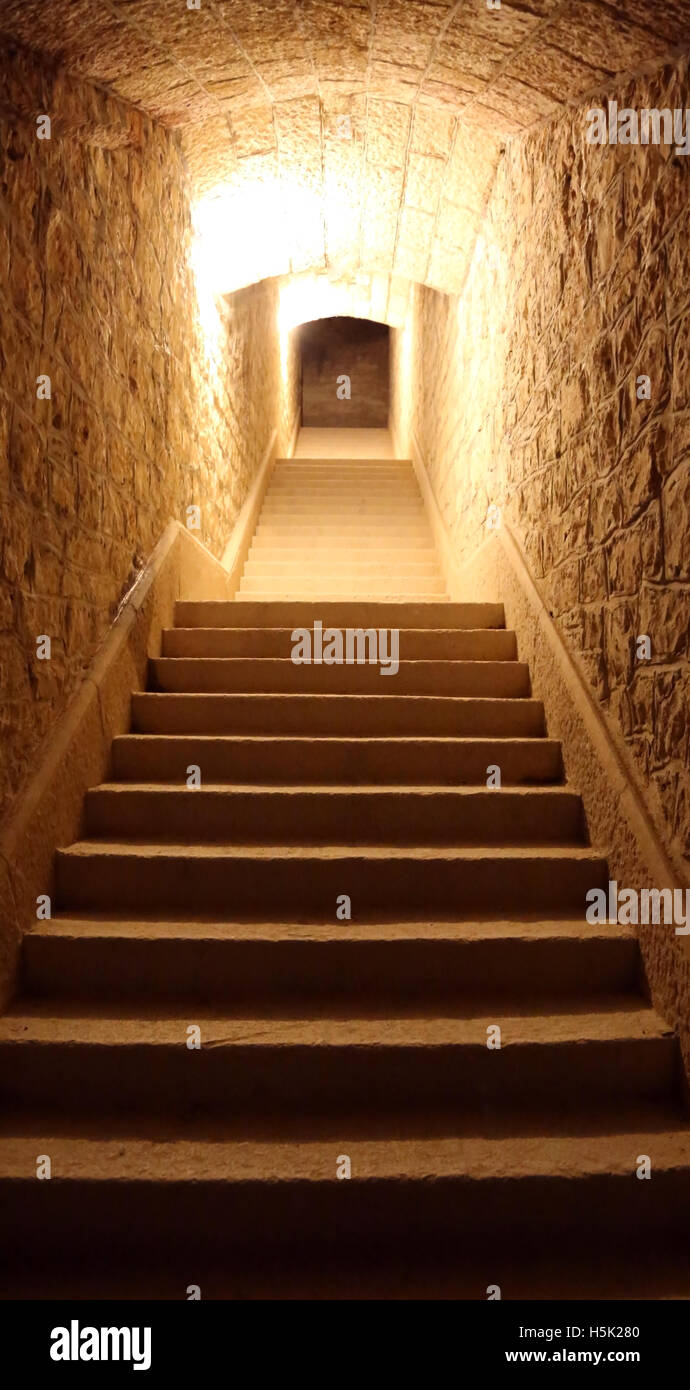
{"x": 345, "y": 650}
{"x": 183, "y": 185}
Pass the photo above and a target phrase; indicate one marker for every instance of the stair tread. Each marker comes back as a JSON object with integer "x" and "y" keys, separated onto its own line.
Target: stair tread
{"x": 561, "y": 791}
{"x": 302, "y": 596}
{"x": 447, "y": 663}
{"x": 174, "y": 1158}
{"x": 422, "y": 853}
{"x": 528, "y": 928}
{"x": 287, "y": 628}
{"x": 357, "y": 740}
{"x": 165, "y": 1026}
{"x": 326, "y": 695}
{"x": 342, "y": 610}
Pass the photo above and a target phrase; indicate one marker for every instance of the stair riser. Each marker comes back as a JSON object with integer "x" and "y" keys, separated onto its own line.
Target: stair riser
{"x": 345, "y": 467}
{"x": 284, "y": 544}
{"x": 343, "y": 566}
{"x": 297, "y": 592}
{"x": 508, "y": 679}
{"x": 308, "y": 889}
{"x": 322, "y": 577}
{"x": 283, "y": 535}
{"x": 54, "y": 1220}
{"x": 370, "y": 469}
{"x": 359, "y": 523}
{"x": 256, "y": 973}
{"x": 415, "y": 644}
{"x": 338, "y": 715}
{"x": 491, "y": 818}
{"x": 383, "y": 503}
{"x": 423, "y": 762}
{"x": 316, "y": 490}
{"x": 294, "y": 613}
{"x": 384, "y": 518}
{"x": 363, "y": 474}
{"x": 366, "y": 585}
{"x": 387, "y": 506}
{"x": 305, "y": 1079}
{"x": 358, "y": 551}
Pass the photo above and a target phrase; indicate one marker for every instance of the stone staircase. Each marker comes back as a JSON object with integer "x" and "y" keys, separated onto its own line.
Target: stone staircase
{"x": 219, "y": 907}
{"x": 342, "y": 528}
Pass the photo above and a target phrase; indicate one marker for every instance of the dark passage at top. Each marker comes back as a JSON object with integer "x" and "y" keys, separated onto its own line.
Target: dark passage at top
{"x": 345, "y": 373}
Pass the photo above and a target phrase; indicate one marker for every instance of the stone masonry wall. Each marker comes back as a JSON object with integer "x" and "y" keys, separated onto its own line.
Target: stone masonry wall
{"x": 526, "y": 393}
{"x": 156, "y": 403}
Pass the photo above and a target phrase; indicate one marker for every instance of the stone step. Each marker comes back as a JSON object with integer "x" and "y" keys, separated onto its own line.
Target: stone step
{"x": 508, "y": 679}
{"x": 343, "y": 584}
{"x": 366, "y": 466}
{"x": 301, "y": 481}
{"x": 384, "y": 512}
{"x": 388, "y": 715}
{"x": 389, "y": 503}
{"x": 307, "y": 882}
{"x": 316, "y": 495}
{"x": 320, "y": 1064}
{"x": 350, "y": 962}
{"x": 572, "y": 1186}
{"x": 441, "y": 644}
{"x": 338, "y": 613}
{"x": 363, "y": 595}
{"x": 346, "y": 522}
{"x": 358, "y": 553}
{"x": 336, "y": 467}
{"x": 312, "y": 495}
{"x": 284, "y": 541}
{"x": 324, "y": 485}
{"x": 447, "y": 1266}
{"x": 343, "y": 565}
{"x": 314, "y": 573}
{"x": 392, "y": 761}
{"x": 313, "y": 815}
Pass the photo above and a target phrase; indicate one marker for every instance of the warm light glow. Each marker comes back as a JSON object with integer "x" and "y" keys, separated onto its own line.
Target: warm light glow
{"x": 308, "y": 297}
{"x": 255, "y": 230}
{"x": 404, "y": 382}
{"x": 321, "y": 296}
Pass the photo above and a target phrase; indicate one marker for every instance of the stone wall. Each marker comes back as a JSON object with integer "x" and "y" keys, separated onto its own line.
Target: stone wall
{"x": 158, "y": 400}
{"x": 337, "y": 347}
{"x": 526, "y": 394}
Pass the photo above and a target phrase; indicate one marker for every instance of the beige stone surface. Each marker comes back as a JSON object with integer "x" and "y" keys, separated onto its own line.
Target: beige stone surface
{"x": 149, "y": 413}
{"x": 344, "y": 443}
{"x": 618, "y": 816}
{"x": 431, "y": 91}
{"x": 214, "y": 908}
{"x": 522, "y": 395}
{"x": 48, "y": 811}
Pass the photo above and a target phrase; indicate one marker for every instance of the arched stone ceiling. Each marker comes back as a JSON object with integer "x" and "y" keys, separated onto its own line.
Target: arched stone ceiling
{"x": 350, "y": 137}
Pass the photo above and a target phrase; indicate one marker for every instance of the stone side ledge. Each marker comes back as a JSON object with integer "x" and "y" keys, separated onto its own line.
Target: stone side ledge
{"x": 596, "y": 765}
{"x": 48, "y": 812}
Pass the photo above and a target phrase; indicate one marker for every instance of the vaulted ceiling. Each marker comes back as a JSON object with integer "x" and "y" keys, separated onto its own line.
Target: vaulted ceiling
{"x": 360, "y": 137}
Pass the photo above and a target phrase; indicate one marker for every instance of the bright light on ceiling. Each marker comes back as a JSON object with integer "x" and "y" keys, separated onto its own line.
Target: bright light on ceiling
{"x": 244, "y": 233}
{"x": 255, "y": 230}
